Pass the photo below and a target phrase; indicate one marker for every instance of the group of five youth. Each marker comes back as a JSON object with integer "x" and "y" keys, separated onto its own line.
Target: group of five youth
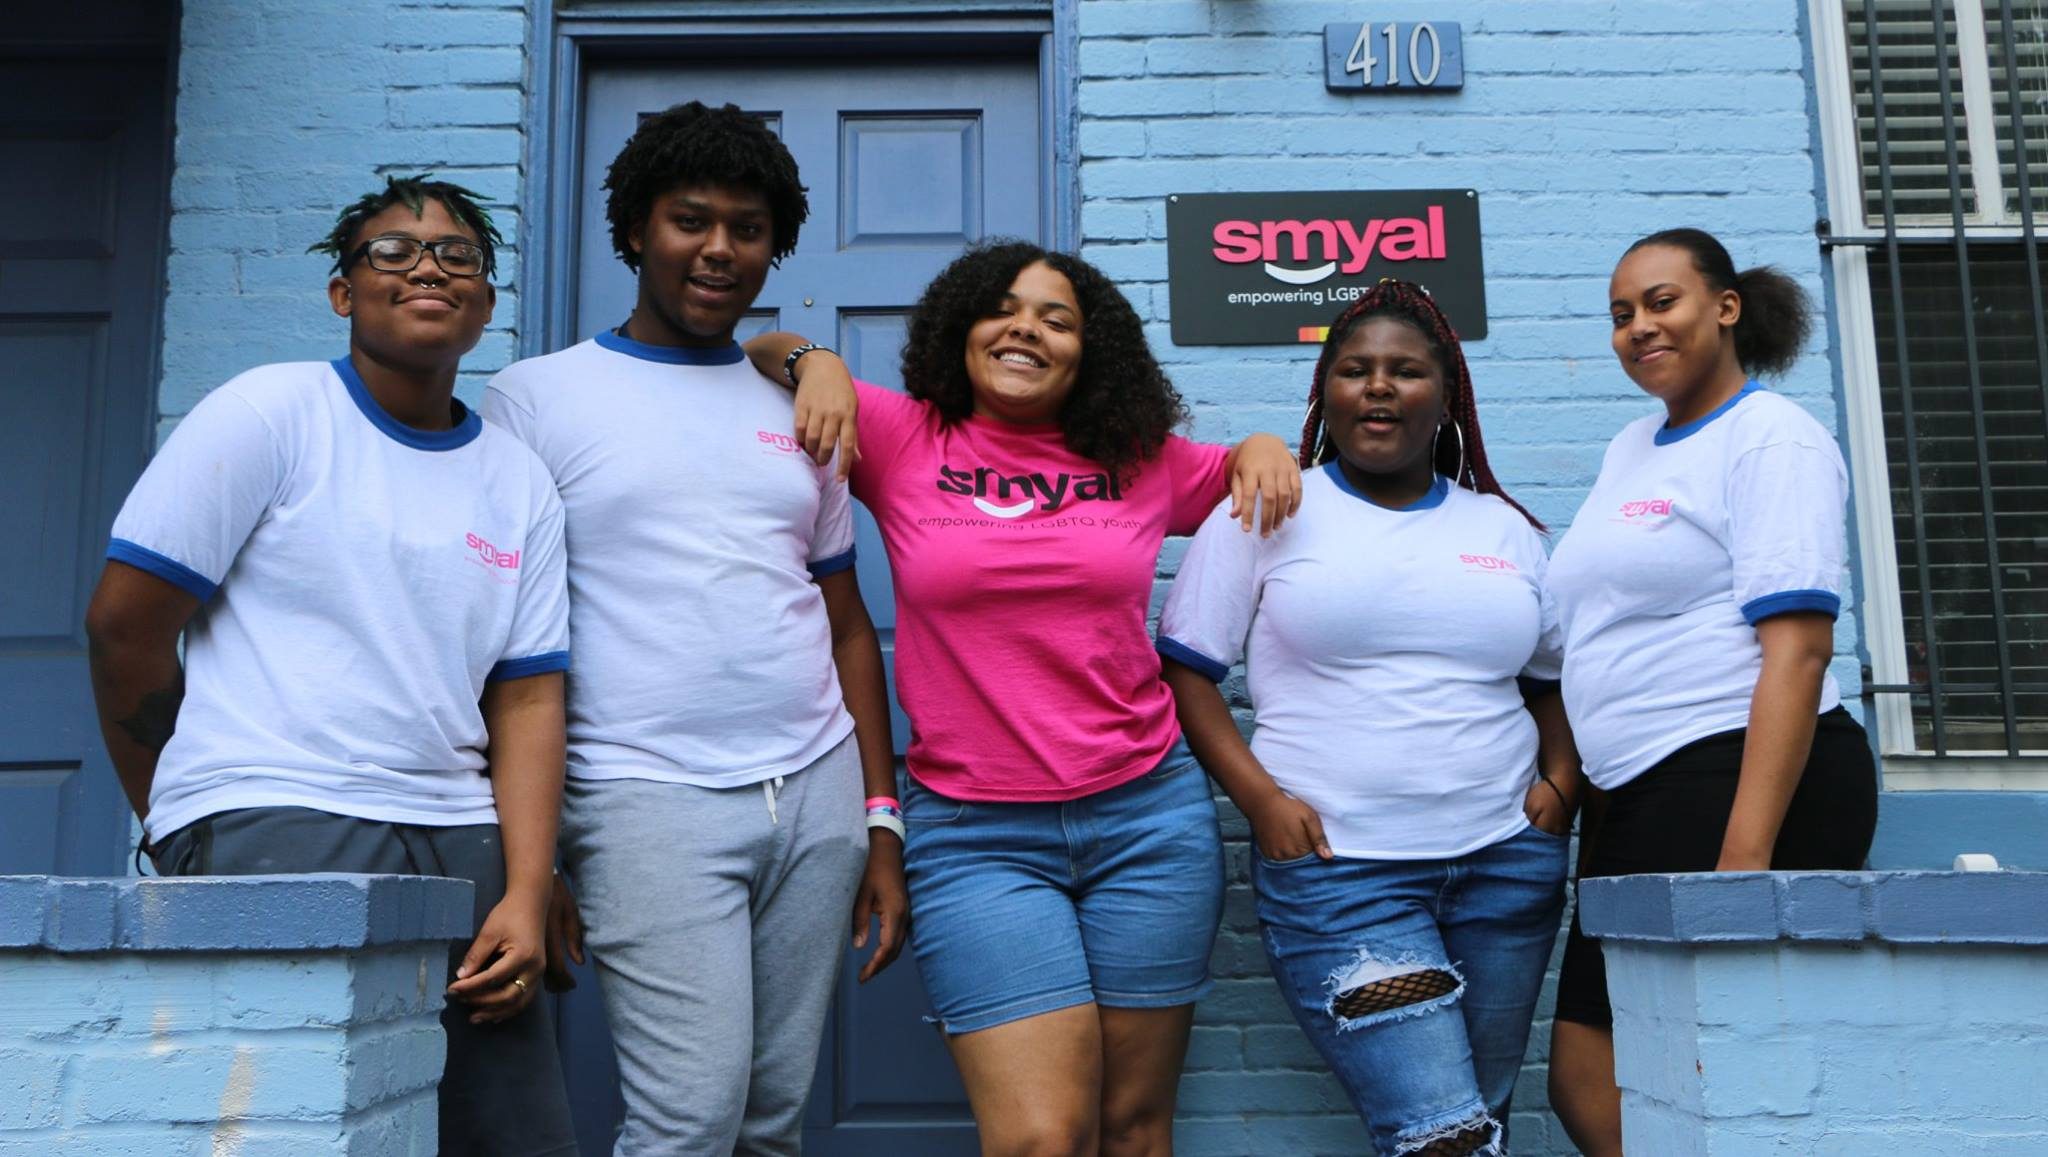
{"x": 678, "y": 506}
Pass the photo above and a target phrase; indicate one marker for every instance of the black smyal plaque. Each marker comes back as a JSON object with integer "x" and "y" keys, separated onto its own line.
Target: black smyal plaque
{"x": 1273, "y": 268}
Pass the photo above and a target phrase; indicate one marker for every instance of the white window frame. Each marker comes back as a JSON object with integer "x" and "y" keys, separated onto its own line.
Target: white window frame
{"x": 1906, "y": 768}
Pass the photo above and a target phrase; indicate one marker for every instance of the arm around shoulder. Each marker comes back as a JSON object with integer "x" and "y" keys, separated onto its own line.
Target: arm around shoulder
{"x": 826, "y": 403}
{"x": 1265, "y": 483}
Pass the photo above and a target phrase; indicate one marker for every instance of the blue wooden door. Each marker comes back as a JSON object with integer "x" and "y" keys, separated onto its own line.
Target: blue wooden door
{"x": 907, "y": 162}
{"x": 83, "y": 163}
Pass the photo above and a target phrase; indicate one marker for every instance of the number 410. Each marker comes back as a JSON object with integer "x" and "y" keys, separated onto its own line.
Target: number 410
{"x": 1363, "y": 62}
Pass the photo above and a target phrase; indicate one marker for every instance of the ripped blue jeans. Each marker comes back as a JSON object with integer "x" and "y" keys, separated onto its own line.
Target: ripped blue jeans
{"x": 1417, "y": 980}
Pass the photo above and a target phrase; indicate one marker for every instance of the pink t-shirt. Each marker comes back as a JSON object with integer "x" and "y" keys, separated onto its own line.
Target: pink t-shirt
{"x": 1023, "y": 572}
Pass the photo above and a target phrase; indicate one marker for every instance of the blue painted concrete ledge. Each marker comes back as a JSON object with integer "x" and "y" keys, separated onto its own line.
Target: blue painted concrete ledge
{"x": 1899, "y": 907}
{"x": 230, "y": 913}
{"x": 226, "y": 1014}
{"x": 1827, "y": 1013}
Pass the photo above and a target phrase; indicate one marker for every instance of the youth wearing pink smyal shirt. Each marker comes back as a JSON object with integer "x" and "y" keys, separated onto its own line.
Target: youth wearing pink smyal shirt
{"x": 1023, "y": 571}
{"x": 1064, "y": 866}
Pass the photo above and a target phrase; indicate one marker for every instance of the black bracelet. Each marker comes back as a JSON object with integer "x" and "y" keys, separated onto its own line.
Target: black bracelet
{"x": 789, "y": 363}
{"x": 1556, "y": 790}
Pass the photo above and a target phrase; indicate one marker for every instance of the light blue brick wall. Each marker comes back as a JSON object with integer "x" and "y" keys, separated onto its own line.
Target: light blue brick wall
{"x": 138, "y": 1020}
{"x": 285, "y": 112}
{"x": 1583, "y": 124}
{"x": 1828, "y": 1013}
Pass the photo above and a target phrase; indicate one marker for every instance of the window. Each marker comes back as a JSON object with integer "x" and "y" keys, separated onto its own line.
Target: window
{"x": 1981, "y": 87}
{"x": 1935, "y": 237}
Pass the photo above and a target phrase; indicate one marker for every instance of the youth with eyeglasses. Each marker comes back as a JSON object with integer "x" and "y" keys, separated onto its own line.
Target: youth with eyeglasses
{"x": 397, "y": 708}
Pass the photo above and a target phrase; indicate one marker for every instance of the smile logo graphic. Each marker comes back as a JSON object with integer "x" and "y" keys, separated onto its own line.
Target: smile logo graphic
{"x": 999, "y": 495}
{"x": 987, "y": 507}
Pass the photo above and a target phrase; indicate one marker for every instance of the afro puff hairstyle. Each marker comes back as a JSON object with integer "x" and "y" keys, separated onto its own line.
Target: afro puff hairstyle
{"x": 1463, "y": 459}
{"x": 1777, "y": 316}
{"x": 695, "y": 144}
{"x": 413, "y": 193}
{"x": 1122, "y": 406}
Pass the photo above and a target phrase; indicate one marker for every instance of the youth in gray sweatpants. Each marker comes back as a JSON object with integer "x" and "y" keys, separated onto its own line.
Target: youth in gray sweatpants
{"x": 718, "y": 919}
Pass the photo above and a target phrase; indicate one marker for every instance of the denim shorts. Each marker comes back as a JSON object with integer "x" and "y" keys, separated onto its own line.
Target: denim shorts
{"x": 1019, "y": 909}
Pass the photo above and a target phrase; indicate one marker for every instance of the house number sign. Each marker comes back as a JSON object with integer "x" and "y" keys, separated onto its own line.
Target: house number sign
{"x": 1393, "y": 56}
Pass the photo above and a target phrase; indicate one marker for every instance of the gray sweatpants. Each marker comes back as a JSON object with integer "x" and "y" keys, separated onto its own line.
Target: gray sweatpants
{"x": 718, "y": 918}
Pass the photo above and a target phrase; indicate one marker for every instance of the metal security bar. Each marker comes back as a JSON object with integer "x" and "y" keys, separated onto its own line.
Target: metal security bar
{"x": 1957, "y": 614}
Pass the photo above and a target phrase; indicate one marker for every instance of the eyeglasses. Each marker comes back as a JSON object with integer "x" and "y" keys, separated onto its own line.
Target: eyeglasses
{"x": 396, "y": 254}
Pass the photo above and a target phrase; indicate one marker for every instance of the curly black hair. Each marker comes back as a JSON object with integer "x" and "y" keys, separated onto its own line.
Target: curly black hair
{"x": 413, "y": 192}
{"x": 1123, "y": 405}
{"x": 695, "y": 144}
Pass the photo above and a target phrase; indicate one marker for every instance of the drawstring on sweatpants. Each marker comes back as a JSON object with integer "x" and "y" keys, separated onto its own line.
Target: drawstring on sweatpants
{"x": 769, "y": 787}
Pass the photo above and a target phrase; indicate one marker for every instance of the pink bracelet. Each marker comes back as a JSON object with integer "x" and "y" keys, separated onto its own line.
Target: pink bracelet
{"x": 875, "y": 801}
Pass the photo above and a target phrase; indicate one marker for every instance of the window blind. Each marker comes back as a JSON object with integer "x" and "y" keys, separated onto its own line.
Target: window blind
{"x": 1913, "y": 106}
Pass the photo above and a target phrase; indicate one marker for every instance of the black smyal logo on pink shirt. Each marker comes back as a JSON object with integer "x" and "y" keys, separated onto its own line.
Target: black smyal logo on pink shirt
{"x": 1014, "y": 496}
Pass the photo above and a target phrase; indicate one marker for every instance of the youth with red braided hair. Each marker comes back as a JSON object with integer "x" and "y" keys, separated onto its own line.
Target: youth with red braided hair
{"x": 1412, "y": 780}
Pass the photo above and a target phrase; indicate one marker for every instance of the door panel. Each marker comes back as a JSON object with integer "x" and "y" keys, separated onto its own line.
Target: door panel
{"x": 877, "y": 151}
{"x": 46, "y": 442}
{"x": 907, "y": 162}
{"x": 82, "y": 194}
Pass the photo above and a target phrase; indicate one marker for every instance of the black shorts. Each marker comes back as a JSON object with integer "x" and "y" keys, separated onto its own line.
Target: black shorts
{"x": 1671, "y": 819}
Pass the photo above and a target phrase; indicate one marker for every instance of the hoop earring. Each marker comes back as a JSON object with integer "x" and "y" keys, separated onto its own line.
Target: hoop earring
{"x": 1457, "y": 479}
{"x": 1315, "y": 452}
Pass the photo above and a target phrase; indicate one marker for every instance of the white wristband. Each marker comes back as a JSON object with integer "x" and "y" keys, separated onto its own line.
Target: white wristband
{"x": 884, "y": 820}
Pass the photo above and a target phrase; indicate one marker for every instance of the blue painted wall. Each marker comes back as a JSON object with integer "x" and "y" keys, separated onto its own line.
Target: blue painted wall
{"x": 288, "y": 109}
{"x": 1583, "y": 123}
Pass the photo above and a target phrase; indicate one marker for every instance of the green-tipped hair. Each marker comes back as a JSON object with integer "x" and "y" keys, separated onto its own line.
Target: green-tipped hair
{"x": 413, "y": 193}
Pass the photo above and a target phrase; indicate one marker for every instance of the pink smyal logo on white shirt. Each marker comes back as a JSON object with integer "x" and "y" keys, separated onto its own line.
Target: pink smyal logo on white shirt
{"x": 1487, "y": 562}
{"x": 778, "y": 443}
{"x": 1646, "y": 508}
{"x": 488, "y": 555}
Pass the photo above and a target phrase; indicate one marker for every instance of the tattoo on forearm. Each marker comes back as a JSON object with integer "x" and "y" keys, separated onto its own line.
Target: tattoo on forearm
{"x": 156, "y": 717}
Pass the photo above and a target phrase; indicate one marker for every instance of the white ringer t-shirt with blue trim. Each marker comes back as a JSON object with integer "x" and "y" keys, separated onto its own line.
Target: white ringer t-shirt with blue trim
{"x": 360, "y": 581}
{"x": 1691, "y": 536}
{"x": 696, "y": 525}
{"x": 1385, "y": 651}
